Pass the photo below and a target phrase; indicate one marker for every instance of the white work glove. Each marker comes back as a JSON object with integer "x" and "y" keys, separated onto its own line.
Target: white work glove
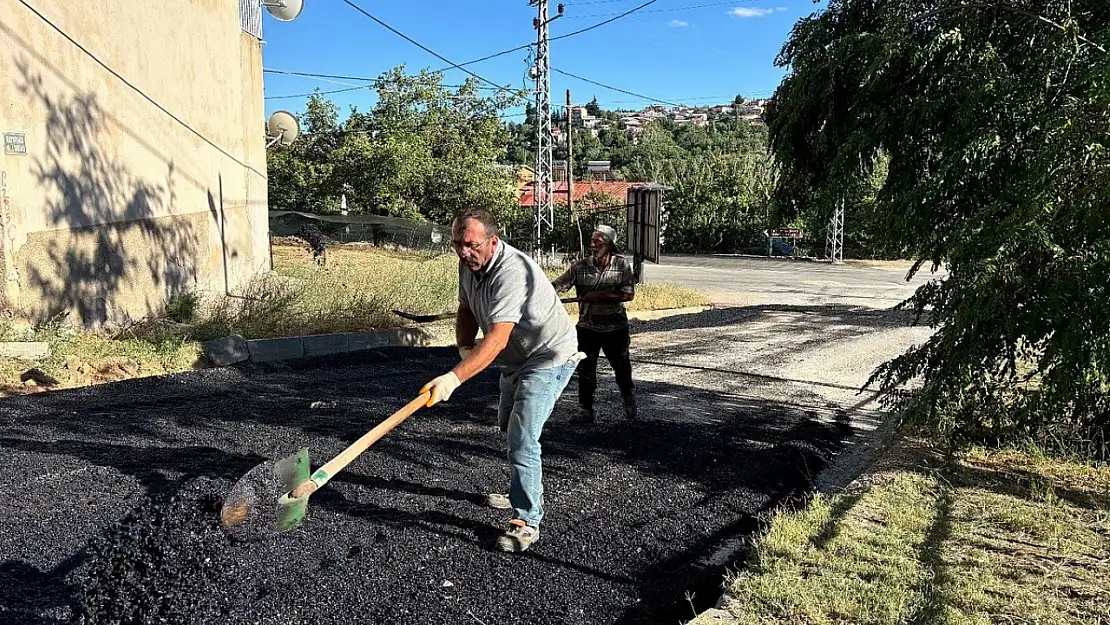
{"x": 441, "y": 388}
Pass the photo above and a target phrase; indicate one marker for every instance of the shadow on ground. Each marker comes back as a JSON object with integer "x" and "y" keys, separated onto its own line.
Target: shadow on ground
{"x": 638, "y": 513}
{"x": 809, "y": 317}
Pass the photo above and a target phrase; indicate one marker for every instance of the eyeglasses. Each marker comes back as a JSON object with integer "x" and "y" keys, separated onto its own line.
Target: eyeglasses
{"x": 473, "y": 247}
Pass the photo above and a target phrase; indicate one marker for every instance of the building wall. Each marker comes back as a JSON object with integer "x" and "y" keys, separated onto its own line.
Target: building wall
{"x": 144, "y": 175}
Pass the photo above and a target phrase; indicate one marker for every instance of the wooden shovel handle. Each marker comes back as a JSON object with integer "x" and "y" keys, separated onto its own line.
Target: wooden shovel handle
{"x": 338, "y": 463}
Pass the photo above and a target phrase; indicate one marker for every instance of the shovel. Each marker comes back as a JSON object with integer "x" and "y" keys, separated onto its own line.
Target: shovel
{"x": 272, "y": 497}
{"x": 451, "y": 315}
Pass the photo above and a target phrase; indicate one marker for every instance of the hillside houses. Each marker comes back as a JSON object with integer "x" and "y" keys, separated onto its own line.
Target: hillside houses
{"x": 634, "y": 122}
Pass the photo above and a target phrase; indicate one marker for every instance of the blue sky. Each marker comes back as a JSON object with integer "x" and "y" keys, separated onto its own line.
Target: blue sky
{"x": 683, "y": 51}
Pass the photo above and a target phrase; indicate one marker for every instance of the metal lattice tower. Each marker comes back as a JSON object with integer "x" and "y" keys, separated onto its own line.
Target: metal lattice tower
{"x": 834, "y": 242}
{"x": 545, "y": 210}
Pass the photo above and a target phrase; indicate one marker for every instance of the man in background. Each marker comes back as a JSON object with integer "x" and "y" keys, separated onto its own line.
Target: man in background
{"x": 603, "y": 282}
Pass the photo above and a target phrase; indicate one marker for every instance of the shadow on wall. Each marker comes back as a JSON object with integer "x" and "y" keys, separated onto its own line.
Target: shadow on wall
{"x": 112, "y": 257}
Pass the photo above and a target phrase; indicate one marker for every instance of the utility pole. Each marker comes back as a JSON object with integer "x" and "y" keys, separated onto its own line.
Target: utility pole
{"x": 570, "y": 182}
{"x": 545, "y": 212}
{"x": 834, "y": 242}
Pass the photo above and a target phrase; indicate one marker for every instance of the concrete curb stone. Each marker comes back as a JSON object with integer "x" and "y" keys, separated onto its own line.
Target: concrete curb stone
{"x": 296, "y": 347}
{"x": 25, "y": 350}
{"x": 226, "y": 350}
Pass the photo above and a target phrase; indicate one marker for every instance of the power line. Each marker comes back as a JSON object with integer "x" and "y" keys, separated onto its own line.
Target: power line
{"x": 594, "y": 82}
{"x": 491, "y": 56}
{"x": 268, "y": 70}
{"x": 608, "y": 21}
{"x": 139, "y": 91}
{"x": 670, "y": 10}
{"x": 331, "y": 77}
{"x": 305, "y": 95}
{"x": 642, "y": 99}
{"x": 374, "y": 132}
{"x": 420, "y": 45}
{"x": 455, "y": 65}
{"x": 528, "y": 45}
{"x": 577, "y": 2}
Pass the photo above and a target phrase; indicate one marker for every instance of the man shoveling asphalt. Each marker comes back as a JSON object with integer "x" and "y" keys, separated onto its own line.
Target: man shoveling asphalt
{"x": 602, "y": 283}
{"x": 527, "y": 332}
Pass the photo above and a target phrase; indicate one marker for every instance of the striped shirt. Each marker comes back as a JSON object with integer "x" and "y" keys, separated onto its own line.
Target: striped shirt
{"x": 585, "y": 278}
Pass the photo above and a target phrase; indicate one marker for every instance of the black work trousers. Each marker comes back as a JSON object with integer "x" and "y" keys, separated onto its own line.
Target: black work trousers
{"x": 615, "y": 344}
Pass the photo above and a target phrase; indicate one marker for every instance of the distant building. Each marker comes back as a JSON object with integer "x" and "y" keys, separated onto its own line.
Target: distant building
{"x": 599, "y": 170}
{"x": 617, "y": 192}
{"x": 749, "y": 111}
{"x": 582, "y": 117}
{"x": 117, "y": 196}
{"x": 559, "y": 170}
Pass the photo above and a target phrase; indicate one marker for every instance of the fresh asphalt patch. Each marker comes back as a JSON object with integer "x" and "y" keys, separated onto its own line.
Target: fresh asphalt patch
{"x": 110, "y": 496}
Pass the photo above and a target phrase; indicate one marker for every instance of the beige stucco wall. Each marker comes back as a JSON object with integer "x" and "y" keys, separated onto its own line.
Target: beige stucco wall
{"x": 129, "y": 194}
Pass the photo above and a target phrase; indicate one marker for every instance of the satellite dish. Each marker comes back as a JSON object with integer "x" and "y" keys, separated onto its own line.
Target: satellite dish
{"x": 284, "y": 10}
{"x": 282, "y": 126}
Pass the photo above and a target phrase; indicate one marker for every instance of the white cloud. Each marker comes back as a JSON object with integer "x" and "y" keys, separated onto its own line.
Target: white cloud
{"x": 678, "y": 24}
{"x": 754, "y": 11}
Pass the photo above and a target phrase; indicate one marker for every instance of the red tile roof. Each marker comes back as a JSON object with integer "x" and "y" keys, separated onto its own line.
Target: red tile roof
{"x": 616, "y": 190}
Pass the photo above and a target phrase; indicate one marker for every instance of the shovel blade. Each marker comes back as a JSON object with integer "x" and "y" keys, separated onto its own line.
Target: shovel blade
{"x": 253, "y": 507}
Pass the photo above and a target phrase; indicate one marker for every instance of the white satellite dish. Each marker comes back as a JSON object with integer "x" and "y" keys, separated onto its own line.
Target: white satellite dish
{"x": 284, "y": 10}
{"x": 282, "y": 126}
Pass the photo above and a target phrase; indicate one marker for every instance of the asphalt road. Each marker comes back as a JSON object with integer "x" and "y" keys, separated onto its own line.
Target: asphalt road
{"x": 109, "y": 493}
{"x": 781, "y": 281}
{"x": 110, "y": 497}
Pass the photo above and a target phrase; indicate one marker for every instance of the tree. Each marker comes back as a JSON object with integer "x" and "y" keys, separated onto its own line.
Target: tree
{"x": 423, "y": 151}
{"x": 992, "y": 124}
{"x": 593, "y": 108}
{"x": 301, "y": 177}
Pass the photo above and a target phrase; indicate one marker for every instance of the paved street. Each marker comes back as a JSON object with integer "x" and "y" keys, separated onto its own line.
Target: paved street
{"x": 781, "y": 281}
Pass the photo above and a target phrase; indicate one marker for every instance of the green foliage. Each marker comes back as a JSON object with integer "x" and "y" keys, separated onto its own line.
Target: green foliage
{"x": 992, "y": 123}
{"x": 183, "y": 308}
{"x": 423, "y": 151}
{"x": 721, "y": 178}
{"x": 593, "y": 108}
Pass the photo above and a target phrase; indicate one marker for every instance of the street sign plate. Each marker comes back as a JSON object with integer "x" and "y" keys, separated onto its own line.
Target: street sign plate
{"x": 787, "y": 233}
{"x": 15, "y": 143}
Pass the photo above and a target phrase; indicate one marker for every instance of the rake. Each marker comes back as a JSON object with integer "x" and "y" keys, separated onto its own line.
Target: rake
{"x": 451, "y": 315}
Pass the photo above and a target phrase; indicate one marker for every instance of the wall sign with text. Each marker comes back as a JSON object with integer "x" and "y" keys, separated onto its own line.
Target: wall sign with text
{"x": 15, "y": 143}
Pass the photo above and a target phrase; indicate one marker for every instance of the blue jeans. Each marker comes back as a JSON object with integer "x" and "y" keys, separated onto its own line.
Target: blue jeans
{"x": 524, "y": 408}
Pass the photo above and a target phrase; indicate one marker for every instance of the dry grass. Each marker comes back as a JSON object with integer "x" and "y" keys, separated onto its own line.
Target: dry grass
{"x": 357, "y": 291}
{"x": 1003, "y": 537}
{"x": 83, "y": 358}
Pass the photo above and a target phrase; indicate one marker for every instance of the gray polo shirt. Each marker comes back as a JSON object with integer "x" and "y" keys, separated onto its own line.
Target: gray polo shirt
{"x": 513, "y": 288}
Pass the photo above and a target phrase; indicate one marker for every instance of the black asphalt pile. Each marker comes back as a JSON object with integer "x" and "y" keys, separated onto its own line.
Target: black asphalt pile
{"x": 158, "y": 565}
{"x": 111, "y": 499}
